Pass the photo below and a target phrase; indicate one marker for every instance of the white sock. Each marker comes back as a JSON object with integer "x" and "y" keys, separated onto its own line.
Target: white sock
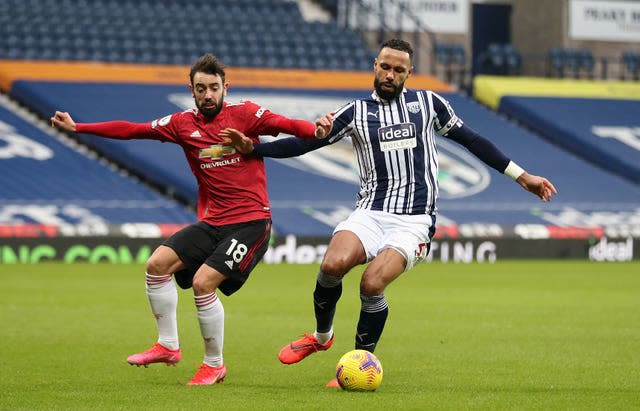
{"x": 323, "y": 337}
{"x": 163, "y": 298}
{"x": 211, "y": 318}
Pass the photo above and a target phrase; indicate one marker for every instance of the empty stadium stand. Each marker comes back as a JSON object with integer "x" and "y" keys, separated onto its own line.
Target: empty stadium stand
{"x": 308, "y": 200}
{"x": 597, "y": 121}
{"x": 46, "y": 181}
{"x": 245, "y": 33}
{"x": 604, "y": 132}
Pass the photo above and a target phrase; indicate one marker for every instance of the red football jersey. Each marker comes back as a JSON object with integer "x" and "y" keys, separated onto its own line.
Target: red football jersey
{"x": 232, "y": 187}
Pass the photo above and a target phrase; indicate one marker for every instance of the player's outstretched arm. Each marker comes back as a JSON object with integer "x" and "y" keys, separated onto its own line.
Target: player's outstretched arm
{"x": 63, "y": 121}
{"x": 116, "y": 129}
{"x": 537, "y": 185}
{"x": 241, "y": 142}
{"x": 280, "y": 148}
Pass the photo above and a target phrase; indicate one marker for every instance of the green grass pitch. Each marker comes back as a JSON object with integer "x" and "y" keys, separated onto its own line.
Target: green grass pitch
{"x": 511, "y": 335}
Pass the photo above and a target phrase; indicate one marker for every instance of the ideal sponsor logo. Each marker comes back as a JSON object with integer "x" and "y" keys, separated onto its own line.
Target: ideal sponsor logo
{"x": 397, "y": 137}
{"x": 292, "y": 253}
{"x": 606, "y": 250}
{"x": 397, "y": 132}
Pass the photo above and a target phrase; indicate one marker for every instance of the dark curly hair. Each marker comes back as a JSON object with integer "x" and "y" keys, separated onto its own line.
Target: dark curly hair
{"x": 208, "y": 64}
{"x": 400, "y": 45}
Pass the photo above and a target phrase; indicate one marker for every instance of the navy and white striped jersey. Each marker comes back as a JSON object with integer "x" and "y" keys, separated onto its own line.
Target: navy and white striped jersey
{"x": 396, "y": 148}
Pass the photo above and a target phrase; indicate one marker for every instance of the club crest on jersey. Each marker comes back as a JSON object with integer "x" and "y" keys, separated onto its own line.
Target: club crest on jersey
{"x": 422, "y": 250}
{"x": 413, "y": 107}
{"x": 397, "y": 136}
{"x": 216, "y": 152}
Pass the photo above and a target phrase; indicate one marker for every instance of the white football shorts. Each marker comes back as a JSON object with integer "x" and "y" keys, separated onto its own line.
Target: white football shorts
{"x": 410, "y": 235}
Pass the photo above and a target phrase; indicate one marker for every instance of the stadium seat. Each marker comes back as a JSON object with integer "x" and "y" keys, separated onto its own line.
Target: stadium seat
{"x": 458, "y": 54}
{"x": 586, "y": 60}
{"x": 630, "y": 62}
{"x": 555, "y": 61}
{"x": 442, "y": 54}
{"x": 563, "y": 62}
{"x": 500, "y": 59}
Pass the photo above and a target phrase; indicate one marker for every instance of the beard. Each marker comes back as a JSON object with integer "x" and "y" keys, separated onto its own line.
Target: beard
{"x": 385, "y": 94}
{"x": 210, "y": 112}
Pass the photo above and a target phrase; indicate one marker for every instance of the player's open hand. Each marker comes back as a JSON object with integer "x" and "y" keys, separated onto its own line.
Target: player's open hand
{"x": 324, "y": 125}
{"x": 537, "y": 185}
{"x": 242, "y": 143}
{"x": 63, "y": 121}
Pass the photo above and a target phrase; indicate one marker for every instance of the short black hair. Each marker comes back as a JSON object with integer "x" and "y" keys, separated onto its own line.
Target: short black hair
{"x": 398, "y": 44}
{"x": 208, "y": 64}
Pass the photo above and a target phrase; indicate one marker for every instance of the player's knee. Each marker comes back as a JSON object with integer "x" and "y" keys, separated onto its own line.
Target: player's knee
{"x": 163, "y": 261}
{"x": 371, "y": 286}
{"x": 156, "y": 266}
{"x": 203, "y": 284}
{"x": 199, "y": 285}
{"x": 336, "y": 267}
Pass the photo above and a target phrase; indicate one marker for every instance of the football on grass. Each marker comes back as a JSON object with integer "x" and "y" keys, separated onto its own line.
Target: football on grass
{"x": 359, "y": 370}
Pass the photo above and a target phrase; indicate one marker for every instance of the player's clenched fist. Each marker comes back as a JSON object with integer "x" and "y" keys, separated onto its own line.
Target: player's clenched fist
{"x": 63, "y": 121}
{"x": 323, "y": 125}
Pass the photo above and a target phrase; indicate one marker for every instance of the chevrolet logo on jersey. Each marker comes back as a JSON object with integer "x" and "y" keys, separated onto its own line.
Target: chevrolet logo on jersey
{"x": 217, "y": 151}
{"x": 397, "y": 137}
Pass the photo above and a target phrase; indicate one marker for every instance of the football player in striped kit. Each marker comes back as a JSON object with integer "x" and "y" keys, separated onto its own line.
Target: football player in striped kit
{"x": 394, "y": 136}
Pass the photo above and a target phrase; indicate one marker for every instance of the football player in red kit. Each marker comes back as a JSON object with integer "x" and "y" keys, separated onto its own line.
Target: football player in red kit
{"x": 232, "y": 234}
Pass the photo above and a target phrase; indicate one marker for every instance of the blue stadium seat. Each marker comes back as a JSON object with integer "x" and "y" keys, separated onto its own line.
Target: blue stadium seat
{"x": 153, "y": 31}
{"x": 458, "y": 54}
{"x": 586, "y": 60}
{"x": 630, "y": 62}
{"x": 570, "y": 62}
{"x": 441, "y": 52}
{"x": 500, "y": 59}
{"x": 555, "y": 57}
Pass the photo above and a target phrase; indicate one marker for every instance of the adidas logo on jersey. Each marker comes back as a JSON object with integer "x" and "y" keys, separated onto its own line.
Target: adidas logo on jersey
{"x": 229, "y": 264}
{"x": 196, "y": 134}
